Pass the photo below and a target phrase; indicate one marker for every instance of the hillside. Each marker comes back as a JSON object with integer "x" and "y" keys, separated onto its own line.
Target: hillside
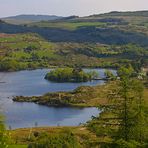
{"x": 91, "y": 34}
{"x": 25, "y": 19}
{"x": 119, "y": 29}
{"x": 30, "y": 51}
{"x": 112, "y": 19}
{"x": 105, "y": 40}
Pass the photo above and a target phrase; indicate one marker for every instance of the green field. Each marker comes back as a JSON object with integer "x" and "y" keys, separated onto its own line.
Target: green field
{"x": 67, "y": 25}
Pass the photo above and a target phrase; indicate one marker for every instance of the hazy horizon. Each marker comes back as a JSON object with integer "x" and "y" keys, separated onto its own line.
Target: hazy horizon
{"x": 67, "y": 8}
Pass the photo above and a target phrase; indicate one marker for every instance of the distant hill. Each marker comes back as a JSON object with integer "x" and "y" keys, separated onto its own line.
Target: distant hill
{"x": 111, "y": 28}
{"x": 134, "y": 17}
{"x": 96, "y": 40}
{"x": 25, "y": 19}
{"x": 122, "y": 13}
{"x": 127, "y": 13}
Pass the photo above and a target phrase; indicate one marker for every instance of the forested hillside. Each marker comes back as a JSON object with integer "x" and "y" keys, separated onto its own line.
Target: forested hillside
{"x": 105, "y": 40}
{"x": 109, "y": 28}
{"x": 30, "y": 51}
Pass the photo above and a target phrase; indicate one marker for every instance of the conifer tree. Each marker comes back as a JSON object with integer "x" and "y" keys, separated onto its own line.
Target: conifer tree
{"x": 125, "y": 116}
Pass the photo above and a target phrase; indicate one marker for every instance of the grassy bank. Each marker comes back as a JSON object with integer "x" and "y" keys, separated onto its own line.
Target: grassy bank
{"x": 86, "y": 135}
{"x": 84, "y": 96}
{"x": 82, "y": 134}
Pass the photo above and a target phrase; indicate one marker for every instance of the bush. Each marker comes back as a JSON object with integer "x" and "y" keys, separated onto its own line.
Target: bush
{"x": 109, "y": 75}
{"x": 124, "y": 144}
{"x": 9, "y": 65}
{"x": 65, "y": 139}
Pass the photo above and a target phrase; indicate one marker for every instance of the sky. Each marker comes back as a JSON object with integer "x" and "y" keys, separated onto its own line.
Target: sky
{"x": 68, "y": 7}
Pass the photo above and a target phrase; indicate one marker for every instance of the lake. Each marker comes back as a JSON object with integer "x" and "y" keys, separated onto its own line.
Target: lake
{"x": 29, "y": 83}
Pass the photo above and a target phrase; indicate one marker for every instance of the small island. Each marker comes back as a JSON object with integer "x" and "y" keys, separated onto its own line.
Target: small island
{"x": 70, "y": 75}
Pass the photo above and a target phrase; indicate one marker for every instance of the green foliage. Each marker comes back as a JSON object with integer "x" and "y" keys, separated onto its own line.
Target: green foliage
{"x": 124, "y": 118}
{"x": 14, "y": 65}
{"x": 17, "y": 146}
{"x": 124, "y": 144}
{"x": 30, "y": 48}
{"x": 109, "y": 75}
{"x": 11, "y": 65}
{"x": 131, "y": 111}
{"x": 65, "y": 139}
{"x": 67, "y": 25}
{"x": 3, "y": 135}
{"x": 125, "y": 72}
{"x": 33, "y": 50}
{"x": 70, "y": 75}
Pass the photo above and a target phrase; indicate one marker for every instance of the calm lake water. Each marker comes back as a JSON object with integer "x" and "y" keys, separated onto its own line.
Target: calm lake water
{"x": 29, "y": 83}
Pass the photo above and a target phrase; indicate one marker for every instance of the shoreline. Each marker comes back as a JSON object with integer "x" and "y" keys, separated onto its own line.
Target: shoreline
{"x": 81, "y": 97}
{"x": 53, "y": 67}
